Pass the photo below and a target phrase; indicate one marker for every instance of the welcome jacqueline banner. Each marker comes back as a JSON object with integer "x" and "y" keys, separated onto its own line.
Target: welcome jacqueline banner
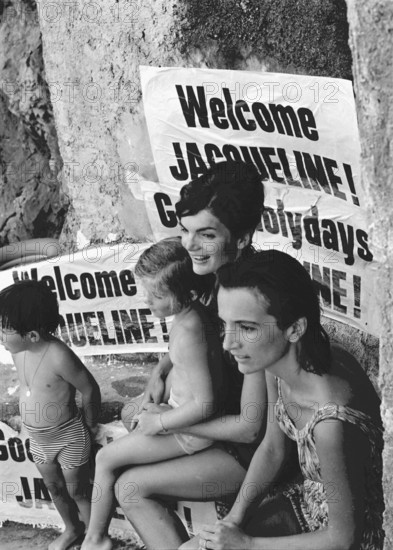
{"x": 101, "y": 305}
{"x": 301, "y": 133}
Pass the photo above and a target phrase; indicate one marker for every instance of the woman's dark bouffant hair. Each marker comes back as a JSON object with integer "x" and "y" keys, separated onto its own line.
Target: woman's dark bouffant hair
{"x": 231, "y": 190}
{"x": 29, "y": 305}
{"x": 290, "y": 293}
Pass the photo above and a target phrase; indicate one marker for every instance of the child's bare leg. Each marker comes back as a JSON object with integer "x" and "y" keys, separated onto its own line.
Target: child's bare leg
{"x": 78, "y": 485}
{"x": 54, "y": 480}
{"x": 129, "y": 450}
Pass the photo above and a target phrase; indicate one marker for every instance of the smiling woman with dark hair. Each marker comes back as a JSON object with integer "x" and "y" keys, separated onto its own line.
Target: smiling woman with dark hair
{"x": 227, "y": 200}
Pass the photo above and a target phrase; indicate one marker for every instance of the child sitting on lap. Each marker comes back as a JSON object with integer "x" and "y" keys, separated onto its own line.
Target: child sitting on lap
{"x": 49, "y": 374}
{"x": 171, "y": 288}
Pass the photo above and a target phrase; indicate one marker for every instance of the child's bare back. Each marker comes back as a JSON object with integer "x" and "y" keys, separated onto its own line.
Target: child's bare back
{"x": 195, "y": 352}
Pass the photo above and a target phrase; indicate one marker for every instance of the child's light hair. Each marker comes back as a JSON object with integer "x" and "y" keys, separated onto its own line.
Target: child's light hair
{"x": 168, "y": 266}
{"x": 29, "y": 305}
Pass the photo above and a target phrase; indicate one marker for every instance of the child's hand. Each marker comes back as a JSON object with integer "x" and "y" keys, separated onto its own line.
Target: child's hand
{"x": 93, "y": 430}
{"x": 153, "y": 408}
{"x": 155, "y": 388}
{"x": 149, "y": 423}
{"x": 134, "y": 423}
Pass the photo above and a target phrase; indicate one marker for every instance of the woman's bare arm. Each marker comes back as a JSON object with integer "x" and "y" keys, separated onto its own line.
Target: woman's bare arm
{"x": 242, "y": 428}
{"x": 266, "y": 465}
{"x": 342, "y": 451}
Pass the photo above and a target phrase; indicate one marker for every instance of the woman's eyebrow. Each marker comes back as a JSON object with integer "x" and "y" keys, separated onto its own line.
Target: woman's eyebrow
{"x": 207, "y": 228}
{"x": 239, "y": 321}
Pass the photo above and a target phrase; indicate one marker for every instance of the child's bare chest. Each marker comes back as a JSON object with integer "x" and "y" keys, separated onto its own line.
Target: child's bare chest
{"x": 42, "y": 383}
{"x": 47, "y": 401}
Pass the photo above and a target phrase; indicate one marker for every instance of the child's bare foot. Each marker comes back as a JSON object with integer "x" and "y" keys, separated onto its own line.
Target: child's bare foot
{"x": 97, "y": 543}
{"x": 67, "y": 538}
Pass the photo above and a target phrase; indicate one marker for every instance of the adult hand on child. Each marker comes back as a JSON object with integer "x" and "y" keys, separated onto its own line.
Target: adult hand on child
{"x": 149, "y": 423}
{"x": 224, "y": 535}
{"x": 134, "y": 422}
{"x": 94, "y": 430}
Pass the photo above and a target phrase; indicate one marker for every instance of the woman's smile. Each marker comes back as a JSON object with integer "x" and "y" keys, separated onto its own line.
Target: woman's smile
{"x": 208, "y": 242}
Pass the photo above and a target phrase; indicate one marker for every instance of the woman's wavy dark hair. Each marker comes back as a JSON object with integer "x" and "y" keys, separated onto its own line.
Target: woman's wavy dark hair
{"x": 290, "y": 293}
{"x": 231, "y": 190}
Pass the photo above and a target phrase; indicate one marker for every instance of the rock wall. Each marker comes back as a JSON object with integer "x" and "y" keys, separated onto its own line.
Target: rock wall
{"x": 32, "y": 203}
{"x": 371, "y": 24}
{"x": 93, "y": 50}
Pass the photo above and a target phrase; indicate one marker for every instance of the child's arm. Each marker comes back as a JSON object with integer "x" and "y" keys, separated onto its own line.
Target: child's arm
{"x": 192, "y": 355}
{"x": 155, "y": 387}
{"x": 73, "y": 371}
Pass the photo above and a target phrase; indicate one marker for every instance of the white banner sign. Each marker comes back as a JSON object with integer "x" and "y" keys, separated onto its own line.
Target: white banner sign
{"x": 301, "y": 133}
{"x": 101, "y": 305}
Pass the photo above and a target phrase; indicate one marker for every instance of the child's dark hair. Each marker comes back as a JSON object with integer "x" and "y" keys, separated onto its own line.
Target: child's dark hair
{"x": 169, "y": 264}
{"x": 231, "y": 190}
{"x": 290, "y": 293}
{"x": 29, "y": 305}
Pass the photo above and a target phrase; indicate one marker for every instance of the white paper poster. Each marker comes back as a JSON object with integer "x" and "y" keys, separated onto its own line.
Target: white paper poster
{"x": 301, "y": 133}
{"x": 101, "y": 305}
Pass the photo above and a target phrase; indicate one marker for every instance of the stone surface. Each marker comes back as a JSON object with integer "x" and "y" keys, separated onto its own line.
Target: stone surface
{"x": 31, "y": 201}
{"x": 361, "y": 345}
{"x": 97, "y": 102}
{"x": 295, "y": 36}
{"x": 371, "y": 26}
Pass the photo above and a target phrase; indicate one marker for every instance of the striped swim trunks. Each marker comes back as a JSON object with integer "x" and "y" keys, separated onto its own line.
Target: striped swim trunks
{"x": 68, "y": 444}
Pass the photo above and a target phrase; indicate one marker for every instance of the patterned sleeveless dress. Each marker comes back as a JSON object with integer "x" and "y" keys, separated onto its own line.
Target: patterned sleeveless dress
{"x": 310, "y": 498}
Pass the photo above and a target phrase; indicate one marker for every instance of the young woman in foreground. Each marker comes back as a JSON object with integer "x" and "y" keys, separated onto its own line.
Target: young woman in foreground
{"x": 330, "y": 408}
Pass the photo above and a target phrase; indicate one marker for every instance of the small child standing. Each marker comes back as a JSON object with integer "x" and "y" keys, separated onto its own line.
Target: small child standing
{"x": 49, "y": 374}
{"x": 191, "y": 392}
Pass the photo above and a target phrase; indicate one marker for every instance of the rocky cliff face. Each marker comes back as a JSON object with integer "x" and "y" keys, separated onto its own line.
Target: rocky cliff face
{"x": 32, "y": 203}
{"x": 372, "y": 48}
{"x": 92, "y": 51}
{"x": 73, "y": 131}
